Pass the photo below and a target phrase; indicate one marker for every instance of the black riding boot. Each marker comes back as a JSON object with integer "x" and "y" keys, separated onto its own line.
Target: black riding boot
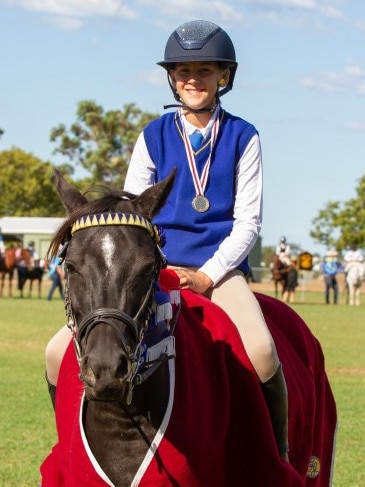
{"x": 276, "y": 395}
{"x": 52, "y": 391}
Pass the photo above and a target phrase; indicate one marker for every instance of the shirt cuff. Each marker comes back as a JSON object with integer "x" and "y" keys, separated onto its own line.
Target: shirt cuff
{"x": 213, "y": 271}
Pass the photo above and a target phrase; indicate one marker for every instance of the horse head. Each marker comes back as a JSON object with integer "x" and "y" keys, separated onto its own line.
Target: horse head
{"x": 112, "y": 259}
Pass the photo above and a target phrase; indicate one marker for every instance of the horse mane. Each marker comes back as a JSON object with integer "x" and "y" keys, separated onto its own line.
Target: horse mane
{"x": 107, "y": 202}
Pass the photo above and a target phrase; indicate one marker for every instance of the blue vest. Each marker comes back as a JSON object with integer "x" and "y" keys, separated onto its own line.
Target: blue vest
{"x": 192, "y": 237}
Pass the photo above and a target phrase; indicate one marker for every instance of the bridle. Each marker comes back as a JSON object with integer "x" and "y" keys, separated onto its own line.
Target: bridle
{"x": 112, "y": 317}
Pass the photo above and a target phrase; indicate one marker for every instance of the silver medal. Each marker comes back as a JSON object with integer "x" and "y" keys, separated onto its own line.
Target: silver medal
{"x": 200, "y": 203}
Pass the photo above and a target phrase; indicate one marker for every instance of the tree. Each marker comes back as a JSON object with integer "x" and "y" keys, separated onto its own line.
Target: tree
{"x": 267, "y": 253}
{"x": 342, "y": 223}
{"x": 102, "y": 142}
{"x": 26, "y": 186}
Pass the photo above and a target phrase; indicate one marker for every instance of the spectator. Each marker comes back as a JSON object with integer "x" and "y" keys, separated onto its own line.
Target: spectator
{"x": 2, "y": 245}
{"x": 330, "y": 268}
{"x": 56, "y": 275}
{"x": 33, "y": 255}
{"x": 283, "y": 251}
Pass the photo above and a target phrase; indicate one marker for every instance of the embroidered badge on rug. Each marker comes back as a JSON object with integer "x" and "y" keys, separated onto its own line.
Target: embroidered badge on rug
{"x": 314, "y": 467}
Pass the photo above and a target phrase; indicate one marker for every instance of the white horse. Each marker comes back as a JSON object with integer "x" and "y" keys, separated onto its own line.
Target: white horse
{"x": 354, "y": 278}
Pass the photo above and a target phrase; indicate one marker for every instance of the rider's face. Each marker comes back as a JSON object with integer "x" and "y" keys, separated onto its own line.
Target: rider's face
{"x": 197, "y": 82}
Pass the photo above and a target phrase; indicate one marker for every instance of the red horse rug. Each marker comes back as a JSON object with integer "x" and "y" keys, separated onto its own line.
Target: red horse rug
{"x": 217, "y": 430}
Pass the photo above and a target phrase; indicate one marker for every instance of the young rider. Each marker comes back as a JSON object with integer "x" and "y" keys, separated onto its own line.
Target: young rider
{"x": 213, "y": 216}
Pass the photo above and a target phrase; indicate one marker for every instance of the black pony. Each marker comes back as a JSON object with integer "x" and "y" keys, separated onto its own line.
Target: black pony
{"x": 140, "y": 416}
{"x": 32, "y": 274}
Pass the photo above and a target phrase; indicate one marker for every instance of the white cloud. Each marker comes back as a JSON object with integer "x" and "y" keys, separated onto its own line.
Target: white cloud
{"x": 273, "y": 4}
{"x": 77, "y": 8}
{"x": 156, "y": 77}
{"x": 332, "y": 12}
{"x": 65, "y": 22}
{"x": 359, "y": 24}
{"x": 189, "y": 9}
{"x": 358, "y": 126}
{"x": 69, "y": 14}
{"x": 350, "y": 80}
{"x": 297, "y": 13}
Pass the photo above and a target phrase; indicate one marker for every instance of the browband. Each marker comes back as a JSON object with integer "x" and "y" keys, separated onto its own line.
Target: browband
{"x": 130, "y": 219}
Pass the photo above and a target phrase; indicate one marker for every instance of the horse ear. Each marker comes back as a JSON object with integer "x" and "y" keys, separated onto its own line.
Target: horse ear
{"x": 153, "y": 199}
{"x": 70, "y": 196}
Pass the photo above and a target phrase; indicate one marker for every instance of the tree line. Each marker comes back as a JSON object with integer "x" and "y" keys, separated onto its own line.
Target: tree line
{"x": 101, "y": 143}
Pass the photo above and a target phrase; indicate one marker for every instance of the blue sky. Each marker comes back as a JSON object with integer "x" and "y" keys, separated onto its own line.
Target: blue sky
{"x": 300, "y": 80}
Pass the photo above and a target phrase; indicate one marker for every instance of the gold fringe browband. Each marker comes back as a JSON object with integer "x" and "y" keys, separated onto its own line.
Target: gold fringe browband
{"x": 129, "y": 219}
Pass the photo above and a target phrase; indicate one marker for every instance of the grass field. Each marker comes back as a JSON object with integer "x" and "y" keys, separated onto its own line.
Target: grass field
{"x": 26, "y": 418}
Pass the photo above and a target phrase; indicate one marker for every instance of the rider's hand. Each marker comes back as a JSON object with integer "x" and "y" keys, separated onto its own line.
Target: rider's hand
{"x": 197, "y": 281}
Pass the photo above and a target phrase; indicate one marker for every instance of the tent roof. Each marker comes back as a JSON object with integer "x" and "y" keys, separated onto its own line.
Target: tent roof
{"x": 32, "y": 225}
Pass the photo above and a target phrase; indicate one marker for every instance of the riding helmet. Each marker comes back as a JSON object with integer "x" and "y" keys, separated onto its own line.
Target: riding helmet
{"x": 200, "y": 40}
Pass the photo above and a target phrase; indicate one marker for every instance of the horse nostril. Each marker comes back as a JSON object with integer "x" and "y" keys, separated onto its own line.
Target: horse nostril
{"x": 123, "y": 367}
{"x": 86, "y": 372}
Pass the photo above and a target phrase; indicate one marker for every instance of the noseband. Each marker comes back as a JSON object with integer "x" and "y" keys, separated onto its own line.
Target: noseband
{"x": 112, "y": 316}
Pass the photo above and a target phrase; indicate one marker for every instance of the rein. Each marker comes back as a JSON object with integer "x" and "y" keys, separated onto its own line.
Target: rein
{"x": 142, "y": 367}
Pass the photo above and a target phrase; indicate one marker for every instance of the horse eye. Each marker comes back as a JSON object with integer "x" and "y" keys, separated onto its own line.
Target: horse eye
{"x": 69, "y": 267}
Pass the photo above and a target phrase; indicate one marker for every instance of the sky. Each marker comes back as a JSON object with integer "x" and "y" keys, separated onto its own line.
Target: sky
{"x": 300, "y": 81}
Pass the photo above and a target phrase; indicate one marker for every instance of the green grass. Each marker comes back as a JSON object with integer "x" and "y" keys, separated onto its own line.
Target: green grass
{"x": 27, "y": 430}
{"x": 341, "y": 331}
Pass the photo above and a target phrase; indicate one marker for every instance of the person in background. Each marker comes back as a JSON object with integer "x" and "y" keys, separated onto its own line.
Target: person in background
{"x": 290, "y": 281}
{"x": 330, "y": 267}
{"x": 213, "y": 214}
{"x": 2, "y": 245}
{"x": 283, "y": 251}
{"x": 56, "y": 275}
{"x": 352, "y": 256}
{"x": 31, "y": 249}
{"x": 32, "y": 253}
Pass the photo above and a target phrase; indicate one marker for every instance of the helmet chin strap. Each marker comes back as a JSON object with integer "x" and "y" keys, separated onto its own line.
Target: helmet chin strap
{"x": 193, "y": 110}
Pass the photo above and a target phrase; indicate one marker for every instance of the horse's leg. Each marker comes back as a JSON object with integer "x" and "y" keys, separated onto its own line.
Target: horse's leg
{"x": 351, "y": 294}
{"x": 30, "y": 288}
{"x": 22, "y": 281}
{"x": 40, "y": 288}
{"x": 10, "y": 286}
{"x": 357, "y": 296}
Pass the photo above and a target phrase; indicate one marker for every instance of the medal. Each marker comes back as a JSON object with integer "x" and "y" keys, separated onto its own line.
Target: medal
{"x": 200, "y": 203}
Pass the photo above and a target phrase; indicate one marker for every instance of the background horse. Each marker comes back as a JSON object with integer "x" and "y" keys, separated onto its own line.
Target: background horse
{"x": 140, "y": 416}
{"x": 8, "y": 264}
{"x": 355, "y": 276}
{"x": 33, "y": 273}
{"x": 278, "y": 271}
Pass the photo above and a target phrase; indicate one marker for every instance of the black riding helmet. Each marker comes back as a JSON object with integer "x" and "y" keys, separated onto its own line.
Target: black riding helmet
{"x": 200, "y": 40}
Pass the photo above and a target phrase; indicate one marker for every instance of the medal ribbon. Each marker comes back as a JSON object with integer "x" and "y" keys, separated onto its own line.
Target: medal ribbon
{"x": 200, "y": 183}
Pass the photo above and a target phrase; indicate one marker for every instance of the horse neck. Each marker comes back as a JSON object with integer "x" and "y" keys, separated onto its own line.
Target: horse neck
{"x": 9, "y": 258}
{"x": 356, "y": 270}
{"x": 111, "y": 437}
{"x": 113, "y": 428}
